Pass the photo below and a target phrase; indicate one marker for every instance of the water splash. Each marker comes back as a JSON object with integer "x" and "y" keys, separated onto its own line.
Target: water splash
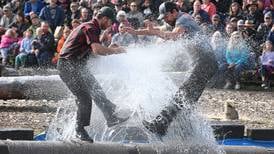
{"x": 143, "y": 80}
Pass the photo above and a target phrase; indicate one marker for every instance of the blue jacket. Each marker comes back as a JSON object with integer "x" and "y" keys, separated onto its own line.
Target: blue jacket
{"x": 58, "y": 20}
{"x": 28, "y": 7}
{"x": 237, "y": 56}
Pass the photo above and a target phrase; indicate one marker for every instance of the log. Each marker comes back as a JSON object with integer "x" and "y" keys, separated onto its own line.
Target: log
{"x": 32, "y": 147}
{"x": 5, "y": 71}
{"x": 33, "y": 87}
{"x": 45, "y": 87}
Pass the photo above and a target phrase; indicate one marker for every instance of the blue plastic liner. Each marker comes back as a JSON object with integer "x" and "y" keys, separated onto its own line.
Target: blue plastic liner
{"x": 247, "y": 142}
{"x": 40, "y": 137}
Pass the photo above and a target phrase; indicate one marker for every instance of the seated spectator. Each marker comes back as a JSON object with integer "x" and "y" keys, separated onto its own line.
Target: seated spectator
{"x": 267, "y": 64}
{"x": 106, "y": 3}
{"x": 233, "y": 22}
{"x": 197, "y": 10}
{"x": 237, "y": 56}
{"x": 235, "y": 11}
{"x": 8, "y": 43}
{"x": 44, "y": 46}
{"x": 35, "y": 23}
{"x": 122, "y": 18}
{"x": 53, "y": 14}
{"x": 74, "y": 12}
{"x": 216, "y": 24}
{"x": 254, "y": 14}
{"x": 229, "y": 29}
{"x": 264, "y": 28}
{"x": 241, "y": 26}
{"x": 7, "y": 18}
{"x": 123, "y": 38}
{"x": 147, "y": 8}
{"x": 20, "y": 24}
{"x": 25, "y": 51}
{"x": 218, "y": 44}
{"x": 209, "y": 7}
{"x": 250, "y": 37}
{"x": 33, "y": 6}
{"x": 16, "y": 5}
{"x": 134, "y": 16}
{"x": 60, "y": 44}
{"x": 84, "y": 16}
{"x": 183, "y": 5}
{"x": 75, "y": 23}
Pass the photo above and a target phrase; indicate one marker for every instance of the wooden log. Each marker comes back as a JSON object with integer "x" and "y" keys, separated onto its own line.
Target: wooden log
{"x": 4, "y": 71}
{"x": 46, "y": 87}
{"x": 32, "y": 147}
{"x": 33, "y": 87}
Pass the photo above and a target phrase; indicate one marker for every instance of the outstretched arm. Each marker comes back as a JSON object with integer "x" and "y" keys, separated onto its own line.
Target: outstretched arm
{"x": 177, "y": 32}
{"x": 98, "y": 49}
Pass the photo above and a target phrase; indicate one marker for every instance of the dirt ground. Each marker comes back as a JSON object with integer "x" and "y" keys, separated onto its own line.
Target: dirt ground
{"x": 255, "y": 108}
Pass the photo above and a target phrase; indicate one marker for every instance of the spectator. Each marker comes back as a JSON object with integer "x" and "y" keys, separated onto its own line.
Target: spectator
{"x": 183, "y": 5}
{"x": 53, "y": 14}
{"x": 218, "y": 44}
{"x": 45, "y": 47}
{"x": 250, "y": 37}
{"x": 33, "y": 6}
{"x": 197, "y": 10}
{"x": 121, "y": 17}
{"x": 229, "y": 29}
{"x": 267, "y": 64}
{"x": 147, "y": 8}
{"x": 60, "y": 44}
{"x": 75, "y": 23}
{"x": 209, "y": 7}
{"x": 7, "y": 18}
{"x": 240, "y": 26}
{"x": 233, "y": 21}
{"x": 20, "y": 24}
{"x": 74, "y": 12}
{"x": 25, "y": 50}
{"x": 122, "y": 38}
{"x": 8, "y": 42}
{"x": 107, "y": 3}
{"x": 264, "y": 28}
{"x": 237, "y": 55}
{"x": 235, "y": 11}
{"x": 134, "y": 16}
{"x": 35, "y": 23}
{"x": 16, "y": 5}
{"x": 216, "y": 24}
{"x": 254, "y": 14}
{"x": 85, "y": 17}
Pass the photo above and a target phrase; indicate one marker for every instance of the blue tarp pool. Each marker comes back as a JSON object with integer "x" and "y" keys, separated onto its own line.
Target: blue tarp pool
{"x": 247, "y": 142}
{"x": 232, "y": 142}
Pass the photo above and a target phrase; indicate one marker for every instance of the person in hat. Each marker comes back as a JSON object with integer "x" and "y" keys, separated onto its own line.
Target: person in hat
{"x": 83, "y": 41}
{"x": 253, "y": 13}
{"x": 264, "y": 28}
{"x": 8, "y": 17}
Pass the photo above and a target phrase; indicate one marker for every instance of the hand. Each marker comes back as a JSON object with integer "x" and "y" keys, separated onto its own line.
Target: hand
{"x": 119, "y": 50}
{"x": 130, "y": 30}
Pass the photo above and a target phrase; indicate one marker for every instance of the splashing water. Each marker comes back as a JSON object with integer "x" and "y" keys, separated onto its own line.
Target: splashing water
{"x": 143, "y": 80}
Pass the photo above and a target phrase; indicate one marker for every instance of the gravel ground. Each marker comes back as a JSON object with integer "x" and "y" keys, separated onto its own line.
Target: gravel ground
{"x": 256, "y": 109}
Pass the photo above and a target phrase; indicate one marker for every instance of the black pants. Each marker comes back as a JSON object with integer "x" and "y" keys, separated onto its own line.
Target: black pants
{"x": 84, "y": 86}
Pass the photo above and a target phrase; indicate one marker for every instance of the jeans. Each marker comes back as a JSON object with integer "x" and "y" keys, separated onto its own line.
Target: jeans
{"x": 85, "y": 87}
{"x": 266, "y": 71}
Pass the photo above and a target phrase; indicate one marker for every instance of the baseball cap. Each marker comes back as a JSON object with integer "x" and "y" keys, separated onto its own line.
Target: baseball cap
{"x": 166, "y": 7}
{"x": 108, "y": 12}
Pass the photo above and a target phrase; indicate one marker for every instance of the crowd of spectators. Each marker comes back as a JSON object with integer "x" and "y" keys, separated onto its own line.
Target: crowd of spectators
{"x": 241, "y": 31}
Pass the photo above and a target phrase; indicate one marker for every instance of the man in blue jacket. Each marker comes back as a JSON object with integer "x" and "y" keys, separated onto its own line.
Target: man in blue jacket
{"x": 53, "y": 14}
{"x": 33, "y": 6}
